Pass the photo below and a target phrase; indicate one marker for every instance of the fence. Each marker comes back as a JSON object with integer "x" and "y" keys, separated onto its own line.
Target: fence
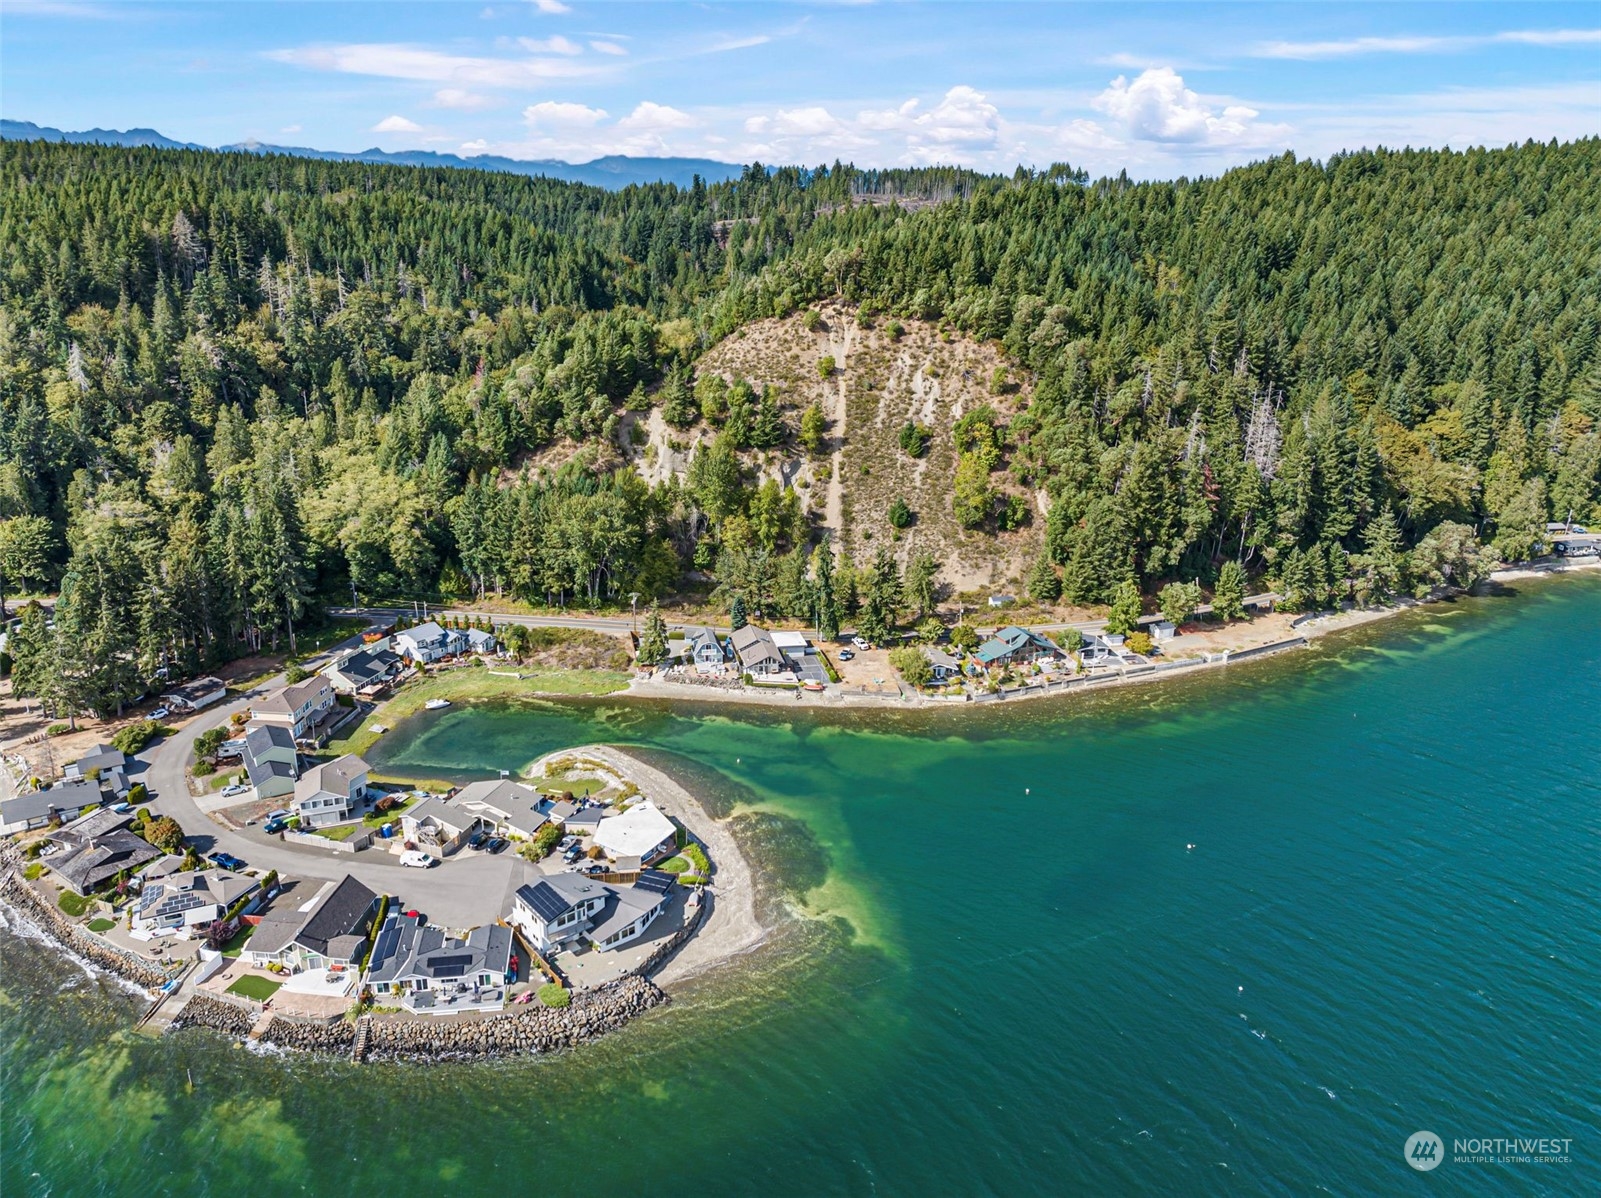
{"x": 355, "y": 844}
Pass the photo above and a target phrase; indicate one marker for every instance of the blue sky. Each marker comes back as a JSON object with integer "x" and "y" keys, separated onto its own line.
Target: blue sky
{"x": 1159, "y": 90}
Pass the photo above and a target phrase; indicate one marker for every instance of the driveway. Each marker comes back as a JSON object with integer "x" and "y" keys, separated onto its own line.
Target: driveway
{"x": 466, "y": 890}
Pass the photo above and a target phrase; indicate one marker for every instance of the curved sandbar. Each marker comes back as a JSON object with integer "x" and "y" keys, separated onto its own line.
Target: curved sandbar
{"x": 730, "y": 926}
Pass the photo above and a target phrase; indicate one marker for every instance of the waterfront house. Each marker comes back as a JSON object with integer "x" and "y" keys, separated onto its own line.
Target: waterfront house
{"x": 480, "y": 642}
{"x": 362, "y": 671}
{"x": 698, "y": 646}
{"x": 429, "y": 642}
{"x": 196, "y": 694}
{"x": 330, "y": 932}
{"x": 945, "y": 666}
{"x": 330, "y": 793}
{"x": 90, "y": 824}
{"x": 1103, "y": 648}
{"x": 64, "y": 801}
{"x": 641, "y": 831}
{"x": 508, "y": 808}
{"x": 271, "y": 761}
{"x": 100, "y": 857}
{"x": 425, "y": 966}
{"x": 192, "y": 899}
{"x": 441, "y": 826}
{"x": 758, "y": 655}
{"x": 300, "y": 707}
{"x": 1161, "y": 631}
{"x": 562, "y": 908}
{"x": 584, "y": 820}
{"x": 1014, "y": 646}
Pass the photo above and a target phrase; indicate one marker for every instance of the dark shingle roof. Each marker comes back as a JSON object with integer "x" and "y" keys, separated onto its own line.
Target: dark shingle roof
{"x": 342, "y": 913}
{"x": 542, "y": 898}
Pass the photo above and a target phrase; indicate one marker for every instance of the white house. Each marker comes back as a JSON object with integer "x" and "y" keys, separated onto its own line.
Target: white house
{"x": 945, "y": 666}
{"x": 429, "y": 642}
{"x": 562, "y": 908}
{"x": 196, "y": 694}
{"x": 479, "y": 641}
{"x": 698, "y": 646}
{"x": 192, "y": 899}
{"x": 441, "y": 826}
{"x": 330, "y": 793}
{"x": 426, "y": 966}
{"x": 642, "y": 831}
{"x": 509, "y": 808}
{"x": 299, "y": 707}
{"x": 330, "y": 932}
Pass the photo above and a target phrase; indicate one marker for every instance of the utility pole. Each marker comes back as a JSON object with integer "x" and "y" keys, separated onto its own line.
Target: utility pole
{"x": 633, "y": 603}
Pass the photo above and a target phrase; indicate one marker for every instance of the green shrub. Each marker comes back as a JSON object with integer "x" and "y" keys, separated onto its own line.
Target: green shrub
{"x": 295, "y": 673}
{"x": 34, "y": 872}
{"x": 204, "y": 769}
{"x": 164, "y": 833}
{"x": 58, "y": 729}
{"x": 697, "y": 858}
{"x": 1138, "y": 642}
{"x": 554, "y": 995}
{"x": 208, "y": 742}
{"x": 137, "y": 735}
{"x": 137, "y": 794}
{"x": 825, "y": 366}
{"x": 691, "y": 880}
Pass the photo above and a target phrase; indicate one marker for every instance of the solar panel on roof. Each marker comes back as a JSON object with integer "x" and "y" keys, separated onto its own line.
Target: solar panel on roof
{"x": 547, "y": 904}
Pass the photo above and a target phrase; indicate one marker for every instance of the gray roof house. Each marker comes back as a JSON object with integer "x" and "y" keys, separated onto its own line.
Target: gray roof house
{"x": 433, "y": 971}
{"x": 189, "y": 899}
{"x": 699, "y": 646}
{"x": 429, "y": 642}
{"x": 299, "y": 707}
{"x": 329, "y": 933}
{"x": 63, "y": 801}
{"x": 944, "y": 665}
{"x": 562, "y": 908}
{"x": 757, "y": 652}
{"x": 442, "y": 826}
{"x": 101, "y": 757}
{"x": 479, "y": 641}
{"x": 364, "y": 670}
{"x": 512, "y": 808}
{"x": 272, "y": 762}
{"x": 328, "y": 794}
{"x": 196, "y": 693}
{"x": 101, "y": 858}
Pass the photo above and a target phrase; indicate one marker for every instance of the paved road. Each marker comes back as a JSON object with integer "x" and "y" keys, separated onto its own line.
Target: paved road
{"x": 469, "y": 889}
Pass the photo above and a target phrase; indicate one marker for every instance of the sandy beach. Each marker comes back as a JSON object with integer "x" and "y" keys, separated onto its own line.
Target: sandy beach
{"x": 731, "y": 928}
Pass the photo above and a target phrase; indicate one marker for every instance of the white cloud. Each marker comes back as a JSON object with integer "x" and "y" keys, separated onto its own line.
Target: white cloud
{"x": 962, "y": 124}
{"x": 1157, "y": 106}
{"x": 396, "y": 124}
{"x": 723, "y": 45}
{"x": 477, "y": 146}
{"x": 290, "y": 129}
{"x": 550, "y": 45}
{"x": 611, "y": 48}
{"x": 650, "y": 117}
{"x": 1423, "y": 44}
{"x": 557, "y": 114}
{"x": 432, "y": 66}
{"x": 554, "y": 8}
{"x": 457, "y": 97}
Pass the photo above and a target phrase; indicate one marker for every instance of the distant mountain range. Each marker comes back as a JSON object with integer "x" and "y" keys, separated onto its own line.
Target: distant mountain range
{"x": 612, "y": 172}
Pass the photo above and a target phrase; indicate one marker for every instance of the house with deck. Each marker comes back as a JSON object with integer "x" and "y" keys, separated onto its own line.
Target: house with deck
{"x": 945, "y": 667}
{"x": 428, "y": 969}
{"x": 561, "y": 909}
{"x": 301, "y": 707}
{"x": 362, "y": 672}
{"x": 331, "y": 932}
{"x": 429, "y": 642}
{"x": 507, "y": 808}
{"x": 192, "y": 899}
{"x": 64, "y": 801}
{"x": 759, "y": 655}
{"x": 1013, "y": 646}
{"x": 440, "y": 826}
{"x": 699, "y": 647}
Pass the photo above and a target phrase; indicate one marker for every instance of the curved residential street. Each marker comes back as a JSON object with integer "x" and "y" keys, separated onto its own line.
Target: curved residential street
{"x": 468, "y": 889}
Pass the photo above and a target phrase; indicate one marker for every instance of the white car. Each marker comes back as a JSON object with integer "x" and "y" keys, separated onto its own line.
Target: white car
{"x": 860, "y": 643}
{"x": 417, "y": 860}
{"x": 235, "y": 789}
{"x": 160, "y": 713}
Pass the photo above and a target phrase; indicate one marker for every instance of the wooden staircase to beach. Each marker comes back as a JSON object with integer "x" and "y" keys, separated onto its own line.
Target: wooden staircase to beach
{"x": 358, "y": 1046}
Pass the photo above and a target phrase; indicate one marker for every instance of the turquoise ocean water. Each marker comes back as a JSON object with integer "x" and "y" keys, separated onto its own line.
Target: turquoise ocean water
{"x": 1011, "y": 973}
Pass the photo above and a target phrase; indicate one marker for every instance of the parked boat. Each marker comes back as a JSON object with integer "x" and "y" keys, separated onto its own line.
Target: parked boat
{"x": 436, "y": 704}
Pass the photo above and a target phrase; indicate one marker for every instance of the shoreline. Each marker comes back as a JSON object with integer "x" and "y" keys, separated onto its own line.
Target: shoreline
{"x": 731, "y": 928}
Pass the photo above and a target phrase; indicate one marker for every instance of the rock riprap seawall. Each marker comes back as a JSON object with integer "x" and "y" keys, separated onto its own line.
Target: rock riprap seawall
{"x": 202, "y": 1010}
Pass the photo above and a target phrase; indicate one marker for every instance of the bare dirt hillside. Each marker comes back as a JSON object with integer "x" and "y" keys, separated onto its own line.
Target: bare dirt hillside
{"x": 880, "y": 382}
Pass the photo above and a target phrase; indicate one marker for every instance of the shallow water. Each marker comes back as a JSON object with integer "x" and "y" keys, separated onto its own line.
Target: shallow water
{"x": 1019, "y": 978}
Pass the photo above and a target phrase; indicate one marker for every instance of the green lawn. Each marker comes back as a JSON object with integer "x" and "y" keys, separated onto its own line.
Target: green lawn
{"x": 73, "y": 904}
{"x": 102, "y": 925}
{"x": 342, "y": 832}
{"x": 254, "y": 986}
{"x": 235, "y": 946}
{"x": 469, "y": 683}
{"x": 378, "y": 819}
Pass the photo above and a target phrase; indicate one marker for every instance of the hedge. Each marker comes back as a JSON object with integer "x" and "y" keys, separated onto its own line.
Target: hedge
{"x": 554, "y": 995}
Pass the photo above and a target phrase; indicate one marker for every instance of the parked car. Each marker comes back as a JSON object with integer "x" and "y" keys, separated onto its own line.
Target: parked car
{"x": 160, "y": 713}
{"x": 476, "y": 840}
{"x": 496, "y": 845}
{"x": 417, "y": 859}
{"x": 236, "y": 789}
{"x": 281, "y": 813}
{"x": 847, "y": 655}
{"x": 274, "y": 826}
{"x": 226, "y": 861}
{"x": 861, "y": 643}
